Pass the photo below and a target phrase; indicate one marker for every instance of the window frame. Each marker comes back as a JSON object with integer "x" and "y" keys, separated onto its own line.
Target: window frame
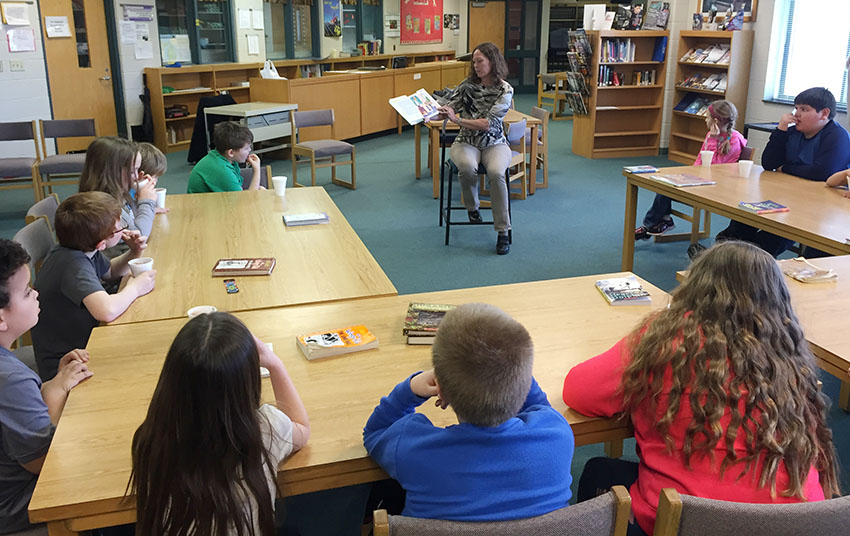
{"x": 288, "y": 21}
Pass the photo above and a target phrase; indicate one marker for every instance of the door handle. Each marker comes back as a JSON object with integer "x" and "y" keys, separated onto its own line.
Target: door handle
{"x": 106, "y": 78}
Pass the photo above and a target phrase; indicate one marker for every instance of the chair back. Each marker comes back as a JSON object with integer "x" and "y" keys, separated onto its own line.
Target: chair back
{"x": 17, "y": 130}
{"x": 248, "y": 174}
{"x": 67, "y": 128}
{"x": 37, "y": 239}
{"x": 313, "y": 118}
{"x": 45, "y": 208}
{"x": 684, "y": 515}
{"x": 516, "y": 131}
{"x": 606, "y": 515}
{"x": 747, "y": 153}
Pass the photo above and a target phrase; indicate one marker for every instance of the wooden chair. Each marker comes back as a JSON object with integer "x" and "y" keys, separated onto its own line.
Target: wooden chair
{"x": 320, "y": 149}
{"x": 46, "y": 208}
{"x": 542, "y": 146}
{"x": 265, "y": 177}
{"x": 62, "y": 165}
{"x": 606, "y": 515}
{"x": 684, "y": 515}
{"x": 553, "y": 87}
{"x": 18, "y": 173}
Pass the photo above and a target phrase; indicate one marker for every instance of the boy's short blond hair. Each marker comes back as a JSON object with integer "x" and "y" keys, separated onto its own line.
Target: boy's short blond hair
{"x": 154, "y": 162}
{"x": 483, "y": 360}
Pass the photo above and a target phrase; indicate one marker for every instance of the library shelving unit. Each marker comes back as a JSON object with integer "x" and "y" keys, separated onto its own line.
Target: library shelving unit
{"x": 623, "y": 120}
{"x": 687, "y": 130}
{"x": 192, "y": 82}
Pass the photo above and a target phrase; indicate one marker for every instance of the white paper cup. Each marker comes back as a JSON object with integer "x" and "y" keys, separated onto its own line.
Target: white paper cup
{"x": 160, "y": 197}
{"x": 706, "y": 157}
{"x": 140, "y": 265}
{"x": 279, "y": 184}
{"x": 744, "y": 167}
{"x": 201, "y": 310}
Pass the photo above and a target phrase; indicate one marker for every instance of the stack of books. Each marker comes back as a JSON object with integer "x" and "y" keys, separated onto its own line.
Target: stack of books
{"x": 718, "y": 54}
{"x": 713, "y": 82}
{"x": 306, "y": 218}
{"x": 422, "y": 321}
{"x": 623, "y": 291}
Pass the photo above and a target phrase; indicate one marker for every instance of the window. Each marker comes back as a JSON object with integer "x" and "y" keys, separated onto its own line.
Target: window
{"x": 813, "y": 43}
{"x": 290, "y": 29}
{"x": 362, "y": 20}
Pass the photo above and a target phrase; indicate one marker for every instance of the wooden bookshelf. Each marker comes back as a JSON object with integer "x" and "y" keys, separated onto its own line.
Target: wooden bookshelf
{"x": 687, "y": 130}
{"x": 623, "y": 120}
{"x": 192, "y": 82}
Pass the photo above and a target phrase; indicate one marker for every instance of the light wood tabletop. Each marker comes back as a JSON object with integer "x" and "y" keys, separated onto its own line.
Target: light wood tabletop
{"x": 818, "y": 216}
{"x": 434, "y": 155}
{"x": 315, "y": 263}
{"x": 87, "y": 468}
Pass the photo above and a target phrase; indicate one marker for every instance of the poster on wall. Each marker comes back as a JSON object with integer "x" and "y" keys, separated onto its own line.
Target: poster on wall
{"x": 421, "y": 21}
{"x": 333, "y": 25}
{"x": 391, "y": 26}
{"x": 451, "y": 21}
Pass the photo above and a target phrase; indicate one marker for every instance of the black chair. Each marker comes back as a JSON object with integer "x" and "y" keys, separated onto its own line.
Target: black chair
{"x": 446, "y": 207}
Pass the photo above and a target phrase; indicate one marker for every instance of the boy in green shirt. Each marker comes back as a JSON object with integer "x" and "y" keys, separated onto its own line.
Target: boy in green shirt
{"x": 218, "y": 171}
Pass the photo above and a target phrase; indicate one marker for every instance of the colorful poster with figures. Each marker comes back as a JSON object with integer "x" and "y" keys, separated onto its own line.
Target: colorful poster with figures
{"x": 423, "y": 21}
{"x": 332, "y": 10}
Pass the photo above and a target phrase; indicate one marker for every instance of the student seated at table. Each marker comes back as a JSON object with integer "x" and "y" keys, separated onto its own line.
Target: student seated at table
{"x": 70, "y": 280}
{"x": 205, "y": 458}
{"x": 509, "y": 458}
{"x": 152, "y": 166}
{"x": 112, "y": 166}
{"x": 807, "y": 143}
{"x": 29, "y": 409}
{"x": 723, "y": 139}
{"x": 722, "y": 390}
{"x": 218, "y": 171}
{"x": 838, "y": 179}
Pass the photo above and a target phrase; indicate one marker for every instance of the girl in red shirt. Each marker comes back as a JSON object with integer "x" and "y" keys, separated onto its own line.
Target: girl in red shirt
{"x": 721, "y": 388}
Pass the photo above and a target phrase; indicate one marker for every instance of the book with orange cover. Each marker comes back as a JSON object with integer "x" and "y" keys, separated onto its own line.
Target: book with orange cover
{"x": 336, "y": 342}
{"x": 234, "y": 267}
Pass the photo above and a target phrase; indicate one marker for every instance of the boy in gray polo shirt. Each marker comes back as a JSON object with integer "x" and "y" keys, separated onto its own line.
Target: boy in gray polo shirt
{"x": 69, "y": 282}
{"x": 29, "y": 410}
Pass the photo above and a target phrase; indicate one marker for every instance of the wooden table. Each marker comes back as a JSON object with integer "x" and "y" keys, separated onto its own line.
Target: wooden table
{"x": 824, "y": 312}
{"x": 314, "y": 263}
{"x": 434, "y": 132}
{"x": 818, "y": 216}
{"x": 87, "y": 468}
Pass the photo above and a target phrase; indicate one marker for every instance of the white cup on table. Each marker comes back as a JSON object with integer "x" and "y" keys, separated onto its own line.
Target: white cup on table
{"x": 706, "y": 157}
{"x": 160, "y": 197}
{"x": 140, "y": 265}
{"x": 744, "y": 167}
{"x": 279, "y": 185}
{"x": 200, "y": 310}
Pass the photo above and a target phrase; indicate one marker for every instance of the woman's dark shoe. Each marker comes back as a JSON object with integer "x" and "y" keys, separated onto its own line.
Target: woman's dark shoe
{"x": 474, "y": 216}
{"x": 503, "y": 245}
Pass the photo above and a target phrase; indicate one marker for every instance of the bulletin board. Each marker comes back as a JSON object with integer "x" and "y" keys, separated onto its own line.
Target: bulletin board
{"x": 421, "y": 21}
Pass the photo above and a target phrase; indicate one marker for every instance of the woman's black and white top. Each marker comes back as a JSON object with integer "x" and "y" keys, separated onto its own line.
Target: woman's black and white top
{"x": 475, "y": 101}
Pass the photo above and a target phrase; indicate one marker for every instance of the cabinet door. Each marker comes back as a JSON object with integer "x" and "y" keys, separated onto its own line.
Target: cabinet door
{"x": 214, "y": 31}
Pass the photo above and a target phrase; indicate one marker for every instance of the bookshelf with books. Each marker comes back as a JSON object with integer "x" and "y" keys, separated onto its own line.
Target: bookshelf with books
{"x": 626, "y": 94}
{"x": 711, "y": 65}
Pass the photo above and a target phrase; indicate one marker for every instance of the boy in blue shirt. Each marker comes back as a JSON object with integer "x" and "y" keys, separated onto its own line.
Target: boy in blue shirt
{"x": 29, "y": 410}
{"x": 509, "y": 458}
{"x": 807, "y": 143}
{"x": 218, "y": 171}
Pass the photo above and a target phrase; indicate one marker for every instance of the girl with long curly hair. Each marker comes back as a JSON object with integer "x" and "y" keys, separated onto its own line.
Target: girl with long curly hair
{"x": 722, "y": 390}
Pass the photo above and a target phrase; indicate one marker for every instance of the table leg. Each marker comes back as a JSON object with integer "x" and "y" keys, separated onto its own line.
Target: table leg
{"x": 417, "y": 138}
{"x": 614, "y": 449}
{"x": 629, "y": 226}
{"x": 532, "y": 173}
{"x": 844, "y": 396}
{"x": 59, "y": 528}
{"x": 435, "y": 159}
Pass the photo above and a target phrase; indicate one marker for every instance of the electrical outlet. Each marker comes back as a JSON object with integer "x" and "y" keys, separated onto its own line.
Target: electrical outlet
{"x": 16, "y": 66}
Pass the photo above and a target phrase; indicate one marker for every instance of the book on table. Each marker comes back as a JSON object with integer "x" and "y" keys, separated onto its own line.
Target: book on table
{"x": 805, "y": 272}
{"x": 416, "y": 108}
{"x": 305, "y": 218}
{"x": 623, "y": 291}
{"x": 640, "y": 169}
{"x": 422, "y": 321}
{"x": 234, "y": 267}
{"x": 681, "y": 180}
{"x": 763, "y": 207}
{"x": 336, "y": 342}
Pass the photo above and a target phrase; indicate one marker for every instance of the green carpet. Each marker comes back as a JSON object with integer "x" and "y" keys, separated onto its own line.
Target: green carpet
{"x": 575, "y": 227}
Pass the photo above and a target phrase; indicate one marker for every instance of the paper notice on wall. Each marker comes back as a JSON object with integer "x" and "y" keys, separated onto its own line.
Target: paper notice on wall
{"x": 21, "y": 40}
{"x": 57, "y": 27}
{"x": 143, "y": 45}
{"x": 258, "y": 19}
{"x": 244, "y": 19}
{"x": 127, "y": 29}
{"x": 253, "y": 44}
{"x": 15, "y": 13}
{"x": 138, "y": 12}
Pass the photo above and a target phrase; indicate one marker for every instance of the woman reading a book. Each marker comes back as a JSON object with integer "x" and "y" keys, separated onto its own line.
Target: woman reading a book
{"x": 478, "y": 106}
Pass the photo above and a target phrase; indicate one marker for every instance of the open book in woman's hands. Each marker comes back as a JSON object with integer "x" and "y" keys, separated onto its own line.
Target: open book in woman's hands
{"x": 416, "y": 108}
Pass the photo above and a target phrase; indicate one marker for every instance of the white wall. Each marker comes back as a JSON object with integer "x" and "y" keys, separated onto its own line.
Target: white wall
{"x": 133, "y": 69}
{"x": 23, "y": 95}
{"x": 242, "y": 55}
